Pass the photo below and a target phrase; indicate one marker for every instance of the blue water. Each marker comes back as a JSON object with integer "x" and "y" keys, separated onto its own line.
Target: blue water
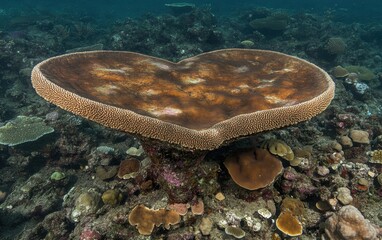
{"x": 326, "y": 32}
{"x": 349, "y": 11}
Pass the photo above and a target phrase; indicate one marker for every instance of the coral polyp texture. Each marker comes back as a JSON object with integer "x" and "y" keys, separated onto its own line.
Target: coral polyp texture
{"x": 198, "y": 103}
{"x": 23, "y": 129}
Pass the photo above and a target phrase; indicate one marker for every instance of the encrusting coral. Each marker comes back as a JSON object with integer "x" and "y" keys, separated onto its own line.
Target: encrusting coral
{"x": 288, "y": 221}
{"x": 145, "y": 219}
{"x": 289, "y": 224}
{"x": 253, "y": 169}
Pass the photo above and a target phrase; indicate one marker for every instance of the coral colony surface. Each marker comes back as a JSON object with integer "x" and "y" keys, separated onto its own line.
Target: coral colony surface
{"x": 311, "y": 169}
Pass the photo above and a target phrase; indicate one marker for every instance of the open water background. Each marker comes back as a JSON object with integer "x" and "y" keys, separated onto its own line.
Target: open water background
{"x": 345, "y": 10}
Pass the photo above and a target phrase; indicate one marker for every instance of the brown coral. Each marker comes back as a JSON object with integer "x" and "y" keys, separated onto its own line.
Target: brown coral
{"x": 288, "y": 221}
{"x": 339, "y": 72}
{"x": 145, "y": 219}
{"x": 198, "y": 103}
{"x": 128, "y": 168}
{"x": 293, "y": 205}
{"x": 253, "y": 169}
{"x": 359, "y": 136}
{"x": 289, "y": 224}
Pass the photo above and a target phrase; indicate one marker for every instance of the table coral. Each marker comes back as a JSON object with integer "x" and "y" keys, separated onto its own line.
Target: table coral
{"x": 23, "y": 129}
{"x": 193, "y": 103}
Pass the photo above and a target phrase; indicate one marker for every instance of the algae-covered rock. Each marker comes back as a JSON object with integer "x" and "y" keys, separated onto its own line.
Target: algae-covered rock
{"x": 111, "y": 197}
{"x": 57, "y": 176}
{"x": 364, "y": 74}
{"x": 275, "y": 22}
{"x": 87, "y": 203}
{"x": 180, "y": 8}
{"x": 23, "y": 129}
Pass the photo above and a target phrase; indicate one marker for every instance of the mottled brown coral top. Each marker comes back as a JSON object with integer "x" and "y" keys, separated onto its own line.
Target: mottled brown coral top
{"x": 196, "y": 93}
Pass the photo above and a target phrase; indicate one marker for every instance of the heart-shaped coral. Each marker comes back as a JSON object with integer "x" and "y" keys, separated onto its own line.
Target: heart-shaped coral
{"x": 198, "y": 103}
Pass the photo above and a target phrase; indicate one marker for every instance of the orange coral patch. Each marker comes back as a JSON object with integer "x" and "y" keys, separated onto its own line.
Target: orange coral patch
{"x": 289, "y": 224}
{"x": 145, "y": 219}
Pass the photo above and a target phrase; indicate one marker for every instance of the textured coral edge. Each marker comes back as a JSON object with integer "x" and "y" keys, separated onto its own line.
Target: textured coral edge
{"x": 206, "y": 139}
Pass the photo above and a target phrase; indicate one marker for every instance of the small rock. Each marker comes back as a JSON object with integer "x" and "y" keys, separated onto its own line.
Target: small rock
{"x": 363, "y": 182}
{"x": 219, "y": 196}
{"x": 359, "y": 136}
{"x": 106, "y": 172}
{"x": 235, "y": 231}
{"x": 322, "y": 170}
{"x": 247, "y": 43}
{"x": 205, "y": 226}
{"x": 344, "y": 196}
{"x": 3, "y": 195}
{"x": 87, "y": 203}
{"x": 265, "y": 213}
{"x": 371, "y": 174}
{"x": 222, "y": 224}
{"x": 345, "y": 141}
{"x": 111, "y": 197}
{"x": 379, "y": 179}
{"x": 333, "y": 202}
{"x": 253, "y": 223}
{"x": 105, "y": 149}
{"x": 336, "y": 146}
{"x": 133, "y": 151}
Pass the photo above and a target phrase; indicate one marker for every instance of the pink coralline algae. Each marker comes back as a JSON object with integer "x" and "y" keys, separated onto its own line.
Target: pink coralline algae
{"x": 349, "y": 224}
{"x": 171, "y": 177}
{"x": 290, "y": 174}
{"x": 347, "y": 119}
{"x": 89, "y": 234}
